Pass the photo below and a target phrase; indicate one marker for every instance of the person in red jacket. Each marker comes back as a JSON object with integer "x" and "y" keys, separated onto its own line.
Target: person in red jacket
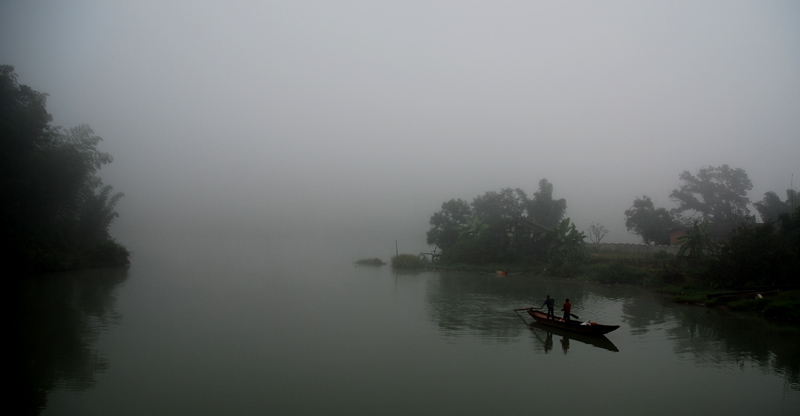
{"x": 567, "y": 307}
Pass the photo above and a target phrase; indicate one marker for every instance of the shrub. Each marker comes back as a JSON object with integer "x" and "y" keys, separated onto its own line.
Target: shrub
{"x": 407, "y": 261}
{"x": 370, "y": 262}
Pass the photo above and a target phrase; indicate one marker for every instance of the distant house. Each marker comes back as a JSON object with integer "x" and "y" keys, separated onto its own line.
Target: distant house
{"x": 675, "y": 235}
{"x": 523, "y": 228}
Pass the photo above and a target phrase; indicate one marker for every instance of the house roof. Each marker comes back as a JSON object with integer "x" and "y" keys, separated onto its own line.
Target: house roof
{"x": 526, "y": 223}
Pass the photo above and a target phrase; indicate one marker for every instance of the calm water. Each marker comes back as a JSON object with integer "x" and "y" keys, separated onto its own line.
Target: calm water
{"x": 206, "y": 327}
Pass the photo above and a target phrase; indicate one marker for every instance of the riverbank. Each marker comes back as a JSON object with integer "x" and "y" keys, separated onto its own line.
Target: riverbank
{"x": 658, "y": 271}
{"x": 774, "y": 304}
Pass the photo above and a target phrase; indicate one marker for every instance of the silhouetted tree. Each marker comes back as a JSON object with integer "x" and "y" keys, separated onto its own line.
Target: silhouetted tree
{"x": 597, "y": 232}
{"x": 493, "y": 207}
{"x": 58, "y": 211}
{"x": 716, "y": 194}
{"x": 771, "y": 207}
{"x": 543, "y": 209}
{"x": 477, "y": 232}
{"x": 651, "y": 224}
{"x": 446, "y": 225}
{"x": 475, "y": 226}
{"x": 697, "y": 243}
{"x": 566, "y": 244}
{"x": 759, "y": 255}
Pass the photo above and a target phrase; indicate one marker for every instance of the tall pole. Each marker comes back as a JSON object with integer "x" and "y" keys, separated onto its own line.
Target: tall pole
{"x": 791, "y": 185}
{"x": 396, "y": 253}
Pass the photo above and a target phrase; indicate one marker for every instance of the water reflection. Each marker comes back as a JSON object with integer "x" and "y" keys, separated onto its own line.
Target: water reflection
{"x": 642, "y": 311}
{"x": 462, "y": 303}
{"x": 390, "y": 339}
{"x": 61, "y": 317}
{"x": 595, "y": 341}
{"x": 473, "y": 304}
{"x": 719, "y": 339}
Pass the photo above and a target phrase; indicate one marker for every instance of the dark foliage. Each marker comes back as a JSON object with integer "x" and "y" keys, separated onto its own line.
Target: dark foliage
{"x": 474, "y": 233}
{"x": 57, "y": 211}
{"x": 448, "y": 222}
{"x": 489, "y": 246}
{"x": 650, "y": 223}
{"x": 771, "y": 207}
{"x": 543, "y": 209}
{"x": 407, "y": 261}
{"x": 716, "y": 194}
{"x": 759, "y": 255}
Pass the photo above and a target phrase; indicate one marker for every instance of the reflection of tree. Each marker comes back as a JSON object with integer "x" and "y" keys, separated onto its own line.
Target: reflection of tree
{"x": 484, "y": 304}
{"x": 60, "y": 319}
{"x": 640, "y": 313}
{"x": 719, "y": 339}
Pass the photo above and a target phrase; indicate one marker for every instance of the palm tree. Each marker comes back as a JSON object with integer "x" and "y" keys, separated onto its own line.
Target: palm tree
{"x": 566, "y": 243}
{"x": 697, "y": 243}
{"x": 474, "y": 226}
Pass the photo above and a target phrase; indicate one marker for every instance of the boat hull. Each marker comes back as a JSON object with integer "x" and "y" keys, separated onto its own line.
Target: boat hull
{"x": 574, "y": 326}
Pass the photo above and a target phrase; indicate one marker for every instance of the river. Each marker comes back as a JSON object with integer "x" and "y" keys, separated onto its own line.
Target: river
{"x": 211, "y": 326}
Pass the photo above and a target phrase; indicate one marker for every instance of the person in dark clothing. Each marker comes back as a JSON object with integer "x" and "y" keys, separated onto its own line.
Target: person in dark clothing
{"x": 567, "y": 308}
{"x": 550, "y": 303}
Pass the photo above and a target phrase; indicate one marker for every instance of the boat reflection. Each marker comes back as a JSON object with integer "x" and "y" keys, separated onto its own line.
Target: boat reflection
{"x": 567, "y": 336}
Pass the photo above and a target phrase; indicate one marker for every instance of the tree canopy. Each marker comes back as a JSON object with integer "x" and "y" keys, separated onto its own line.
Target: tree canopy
{"x": 716, "y": 194}
{"x": 58, "y": 211}
{"x": 771, "y": 207}
{"x": 758, "y": 255}
{"x": 650, "y": 223}
{"x": 477, "y": 232}
{"x": 493, "y": 207}
{"x": 446, "y": 224}
{"x": 543, "y": 209}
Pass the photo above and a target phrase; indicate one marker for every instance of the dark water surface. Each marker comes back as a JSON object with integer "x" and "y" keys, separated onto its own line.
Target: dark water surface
{"x": 249, "y": 327}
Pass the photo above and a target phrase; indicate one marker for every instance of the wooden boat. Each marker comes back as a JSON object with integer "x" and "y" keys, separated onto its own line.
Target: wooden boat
{"x": 574, "y": 326}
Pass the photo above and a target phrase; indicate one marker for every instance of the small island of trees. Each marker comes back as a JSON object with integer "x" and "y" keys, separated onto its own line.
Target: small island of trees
{"x": 57, "y": 212}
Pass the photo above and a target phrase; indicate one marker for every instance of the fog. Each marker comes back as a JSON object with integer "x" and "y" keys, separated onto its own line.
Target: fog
{"x": 360, "y": 118}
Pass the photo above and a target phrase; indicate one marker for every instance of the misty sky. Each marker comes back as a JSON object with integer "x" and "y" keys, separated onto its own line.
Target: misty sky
{"x": 364, "y": 116}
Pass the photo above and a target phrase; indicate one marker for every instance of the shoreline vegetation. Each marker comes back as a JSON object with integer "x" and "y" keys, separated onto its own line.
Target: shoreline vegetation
{"x": 61, "y": 210}
{"x": 373, "y": 261}
{"x": 717, "y": 246}
{"x": 671, "y": 275}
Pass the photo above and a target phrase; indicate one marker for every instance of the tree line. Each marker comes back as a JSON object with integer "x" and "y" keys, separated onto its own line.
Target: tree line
{"x": 722, "y": 245}
{"x": 477, "y": 231}
{"x": 716, "y": 195}
{"x": 58, "y": 211}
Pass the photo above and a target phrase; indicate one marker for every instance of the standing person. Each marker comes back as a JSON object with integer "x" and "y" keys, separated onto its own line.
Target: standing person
{"x": 550, "y": 302}
{"x": 567, "y": 308}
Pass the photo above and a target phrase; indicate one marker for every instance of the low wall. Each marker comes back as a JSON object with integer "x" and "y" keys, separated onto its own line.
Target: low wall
{"x": 632, "y": 248}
